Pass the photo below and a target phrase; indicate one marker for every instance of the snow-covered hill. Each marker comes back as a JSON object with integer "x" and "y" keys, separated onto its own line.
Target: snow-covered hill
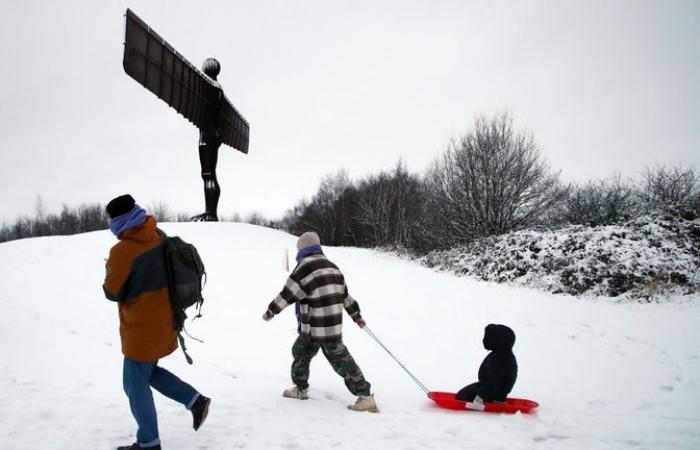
{"x": 650, "y": 257}
{"x": 608, "y": 376}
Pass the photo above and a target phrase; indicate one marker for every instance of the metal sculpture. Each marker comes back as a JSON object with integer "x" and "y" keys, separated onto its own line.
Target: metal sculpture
{"x": 198, "y": 96}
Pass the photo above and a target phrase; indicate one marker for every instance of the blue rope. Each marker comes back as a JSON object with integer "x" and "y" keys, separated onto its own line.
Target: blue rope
{"x": 413, "y": 377}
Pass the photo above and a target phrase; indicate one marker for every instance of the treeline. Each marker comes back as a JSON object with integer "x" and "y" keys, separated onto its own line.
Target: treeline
{"x": 92, "y": 217}
{"x": 491, "y": 181}
{"x": 81, "y": 219}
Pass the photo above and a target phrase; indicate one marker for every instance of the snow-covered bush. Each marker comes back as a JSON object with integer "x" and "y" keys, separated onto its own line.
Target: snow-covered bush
{"x": 645, "y": 258}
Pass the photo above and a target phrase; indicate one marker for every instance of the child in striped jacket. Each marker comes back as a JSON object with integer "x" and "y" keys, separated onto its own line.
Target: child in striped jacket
{"x": 317, "y": 288}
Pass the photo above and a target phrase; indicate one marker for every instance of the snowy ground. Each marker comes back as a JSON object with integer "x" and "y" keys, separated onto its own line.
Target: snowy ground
{"x": 607, "y": 376}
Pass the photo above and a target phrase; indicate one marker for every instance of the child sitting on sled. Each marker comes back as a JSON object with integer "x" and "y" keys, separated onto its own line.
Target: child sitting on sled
{"x": 497, "y": 373}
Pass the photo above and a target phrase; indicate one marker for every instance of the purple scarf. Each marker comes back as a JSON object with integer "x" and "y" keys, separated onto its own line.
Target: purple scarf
{"x": 134, "y": 218}
{"x": 308, "y": 251}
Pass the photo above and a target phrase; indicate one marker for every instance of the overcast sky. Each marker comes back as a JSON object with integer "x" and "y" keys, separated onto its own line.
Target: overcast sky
{"x": 605, "y": 87}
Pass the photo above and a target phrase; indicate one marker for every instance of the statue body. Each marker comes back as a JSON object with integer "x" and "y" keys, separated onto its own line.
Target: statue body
{"x": 198, "y": 96}
{"x": 209, "y": 143}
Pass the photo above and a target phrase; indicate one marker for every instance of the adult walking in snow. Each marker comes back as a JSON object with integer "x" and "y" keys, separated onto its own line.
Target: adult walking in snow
{"x": 137, "y": 280}
{"x": 318, "y": 289}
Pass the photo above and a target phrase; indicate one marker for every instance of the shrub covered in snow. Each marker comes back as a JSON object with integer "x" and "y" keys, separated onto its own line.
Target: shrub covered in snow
{"x": 645, "y": 258}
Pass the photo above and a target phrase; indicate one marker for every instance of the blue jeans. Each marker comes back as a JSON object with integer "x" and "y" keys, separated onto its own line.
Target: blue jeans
{"x": 138, "y": 380}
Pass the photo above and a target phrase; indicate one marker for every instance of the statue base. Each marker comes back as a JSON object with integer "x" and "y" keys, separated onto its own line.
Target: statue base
{"x": 205, "y": 217}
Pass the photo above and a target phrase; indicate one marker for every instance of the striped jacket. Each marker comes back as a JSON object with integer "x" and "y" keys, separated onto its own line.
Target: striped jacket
{"x": 318, "y": 286}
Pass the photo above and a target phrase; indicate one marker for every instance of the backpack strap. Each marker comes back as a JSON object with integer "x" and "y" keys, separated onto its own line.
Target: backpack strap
{"x": 184, "y": 349}
{"x": 181, "y": 339}
{"x": 161, "y": 233}
{"x": 190, "y": 336}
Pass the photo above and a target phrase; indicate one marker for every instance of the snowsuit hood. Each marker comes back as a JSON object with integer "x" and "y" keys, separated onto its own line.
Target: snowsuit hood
{"x": 498, "y": 338}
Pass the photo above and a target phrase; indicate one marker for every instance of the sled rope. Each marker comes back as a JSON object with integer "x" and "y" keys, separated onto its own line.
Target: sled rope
{"x": 413, "y": 377}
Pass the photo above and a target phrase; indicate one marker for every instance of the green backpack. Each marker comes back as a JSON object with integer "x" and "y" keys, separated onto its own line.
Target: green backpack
{"x": 186, "y": 278}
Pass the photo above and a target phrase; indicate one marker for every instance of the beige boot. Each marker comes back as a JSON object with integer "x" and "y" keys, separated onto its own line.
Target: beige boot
{"x": 296, "y": 392}
{"x": 365, "y": 403}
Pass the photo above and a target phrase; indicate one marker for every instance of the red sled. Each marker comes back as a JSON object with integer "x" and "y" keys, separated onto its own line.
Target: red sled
{"x": 512, "y": 405}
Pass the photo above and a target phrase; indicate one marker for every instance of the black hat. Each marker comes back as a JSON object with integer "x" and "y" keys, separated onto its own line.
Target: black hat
{"x": 120, "y": 205}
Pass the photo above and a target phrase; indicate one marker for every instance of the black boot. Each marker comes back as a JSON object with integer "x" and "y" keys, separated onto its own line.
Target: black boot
{"x": 200, "y": 410}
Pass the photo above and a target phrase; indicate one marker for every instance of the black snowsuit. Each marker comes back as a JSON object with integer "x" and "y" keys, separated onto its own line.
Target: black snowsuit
{"x": 499, "y": 370}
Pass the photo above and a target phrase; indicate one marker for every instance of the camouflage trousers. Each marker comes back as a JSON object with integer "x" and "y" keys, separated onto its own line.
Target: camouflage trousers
{"x": 337, "y": 354}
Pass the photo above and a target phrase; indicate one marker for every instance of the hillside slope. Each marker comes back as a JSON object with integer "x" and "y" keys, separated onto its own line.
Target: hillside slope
{"x": 608, "y": 376}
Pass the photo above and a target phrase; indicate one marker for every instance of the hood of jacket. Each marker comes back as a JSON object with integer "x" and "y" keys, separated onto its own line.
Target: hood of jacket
{"x": 141, "y": 233}
{"x": 498, "y": 338}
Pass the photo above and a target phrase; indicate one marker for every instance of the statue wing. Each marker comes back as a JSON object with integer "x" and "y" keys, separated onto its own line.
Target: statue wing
{"x": 156, "y": 65}
{"x": 233, "y": 129}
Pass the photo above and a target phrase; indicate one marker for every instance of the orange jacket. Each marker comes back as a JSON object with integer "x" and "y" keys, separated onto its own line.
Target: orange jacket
{"x": 137, "y": 279}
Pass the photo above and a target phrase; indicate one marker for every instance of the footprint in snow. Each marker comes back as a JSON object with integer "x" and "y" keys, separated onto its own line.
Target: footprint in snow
{"x": 556, "y": 437}
{"x": 596, "y": 403}
{"x": 644, "y": 406}
{"x": 330, "y": 396}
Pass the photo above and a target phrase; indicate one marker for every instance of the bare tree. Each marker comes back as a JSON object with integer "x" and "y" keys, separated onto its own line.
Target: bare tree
{"x": 491, "y": 181}
{"x": 162, "y": 212}
{"x": 40, "y": 226}
{"x": 5, "y": 233}
{"x": 39, "y": 207}
{"x": 382, "y": 209}
{"x": 407, "y": 207}
{"x": 374, "y": 210}
{"x": 256, "y": 218}
{"x": 603, "y": 202}
{"x": 91, "y": 217}
{"x": 182, "y": 217}
{"x": 665, "y": 187}
{"x": 326, "y": 213}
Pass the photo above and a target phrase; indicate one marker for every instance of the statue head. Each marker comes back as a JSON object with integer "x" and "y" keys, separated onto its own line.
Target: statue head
{"x": 211, "y": 68}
